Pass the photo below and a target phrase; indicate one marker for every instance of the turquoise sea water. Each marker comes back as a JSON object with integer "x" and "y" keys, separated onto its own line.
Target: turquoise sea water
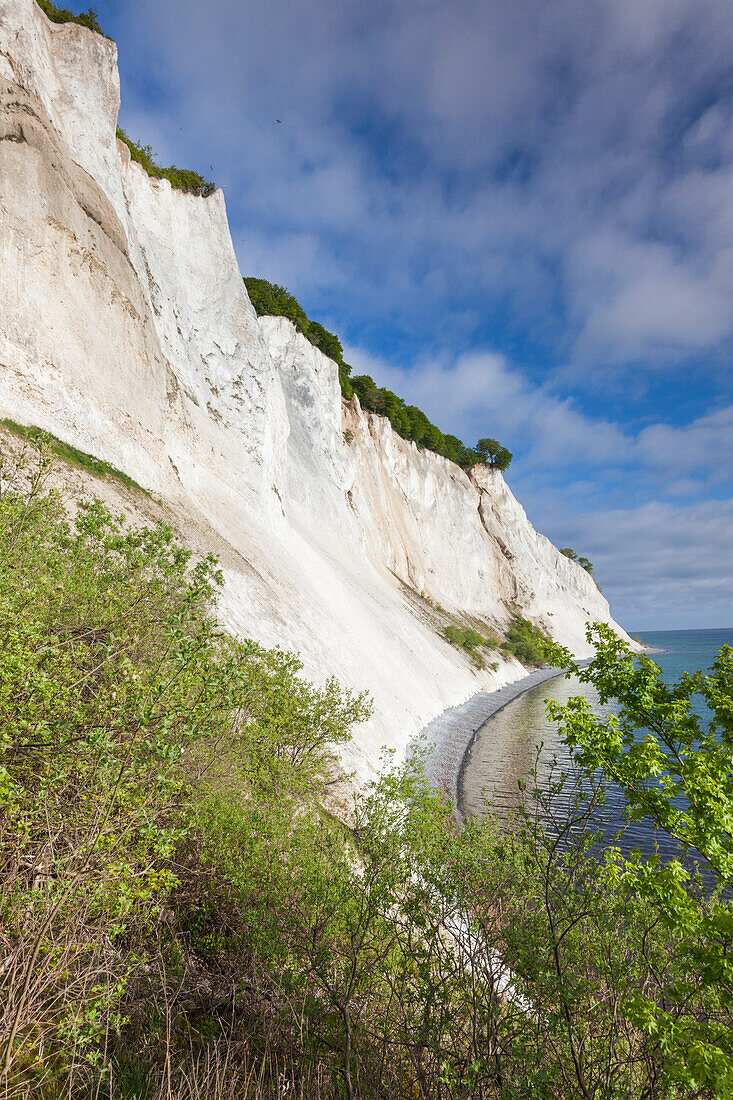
{"x": 685, "y": 650}
{"x": 506, "y": 748}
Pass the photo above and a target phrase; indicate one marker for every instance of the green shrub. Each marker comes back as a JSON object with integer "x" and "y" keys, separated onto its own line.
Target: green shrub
{"x": 464, "y": 637}
{"x": 410, "y": 422}
{"x": 472, "y": 638}
{"x": 583, "y": 562}
{"x": 454, "y": 635}
{"x": 493, "y": 454}
{"x": 183, "y": 179}
{"x": 526, "y": 642}
{"x": 668, "y": 748}
{"x": 63, "y": 15}
{"x": 272, "y": 300}
{"x": 326, "y": 342}
{"x": 347, "y": 389}
{"x": 181, "y": 918}
{"x": 124, "y": 712}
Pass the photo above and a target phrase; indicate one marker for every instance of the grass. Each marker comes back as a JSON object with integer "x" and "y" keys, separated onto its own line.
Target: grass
{"x": 71, "y": 455}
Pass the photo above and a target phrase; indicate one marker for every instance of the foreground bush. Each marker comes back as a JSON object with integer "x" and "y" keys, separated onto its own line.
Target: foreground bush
{"x": 181, "y": 917}
{"x": 119, "y": 699}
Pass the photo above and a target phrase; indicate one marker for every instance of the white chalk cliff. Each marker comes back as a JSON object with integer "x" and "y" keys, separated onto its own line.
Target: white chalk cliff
{"x": 125, "y": 329}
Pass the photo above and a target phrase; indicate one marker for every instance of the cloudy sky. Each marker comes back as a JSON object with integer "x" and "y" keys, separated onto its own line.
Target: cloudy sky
{"x": 517, "y": 215}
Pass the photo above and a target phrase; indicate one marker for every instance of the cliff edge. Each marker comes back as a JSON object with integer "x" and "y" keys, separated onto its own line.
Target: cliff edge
{"x": 126, "y": 330}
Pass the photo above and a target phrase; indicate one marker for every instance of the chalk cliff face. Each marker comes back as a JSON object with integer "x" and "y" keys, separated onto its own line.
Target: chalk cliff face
{"x": 126, "y": 330}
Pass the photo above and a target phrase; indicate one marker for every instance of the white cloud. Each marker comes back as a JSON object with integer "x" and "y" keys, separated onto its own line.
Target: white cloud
{"x": 481, "y": 394}
{"x": 550, "y": 152}
{"x": 660, "y": 565}
{"x": 705, "y": 445}
{"x": 558, "y": 168}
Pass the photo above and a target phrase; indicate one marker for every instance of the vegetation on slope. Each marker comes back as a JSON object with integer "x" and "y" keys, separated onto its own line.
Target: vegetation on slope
{"x": 407, "y": 420}
{"x": 71, "y": 455}
{"x": 180, "y": 918}
{"x": 526, "y": 642}
{"x": 63, "y": 15}
{"x": 183, "y": 179}
{"x": 464, "y": 637}
{"x": 583, "y": 562}
{"x": 467, "y": 638}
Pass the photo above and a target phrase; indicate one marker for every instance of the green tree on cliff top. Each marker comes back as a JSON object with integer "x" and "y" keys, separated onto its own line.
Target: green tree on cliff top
{"x": 493, "y": 454}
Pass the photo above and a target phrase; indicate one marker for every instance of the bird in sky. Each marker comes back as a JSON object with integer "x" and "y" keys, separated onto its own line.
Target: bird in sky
{"x": 278, "y": 121}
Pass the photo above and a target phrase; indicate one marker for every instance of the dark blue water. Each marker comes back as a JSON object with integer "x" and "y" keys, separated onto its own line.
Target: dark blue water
{"x": 508, "y": 747}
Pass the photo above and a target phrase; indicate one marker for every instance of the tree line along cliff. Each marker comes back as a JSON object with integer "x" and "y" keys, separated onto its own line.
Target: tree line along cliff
{"x": 408, "y": 421}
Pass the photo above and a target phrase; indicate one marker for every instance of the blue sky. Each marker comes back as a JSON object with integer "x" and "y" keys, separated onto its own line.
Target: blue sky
{"x": 519, "y": 216}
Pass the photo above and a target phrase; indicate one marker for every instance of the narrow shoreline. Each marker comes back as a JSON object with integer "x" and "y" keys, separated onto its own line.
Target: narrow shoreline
{"x": 444, "y": 744}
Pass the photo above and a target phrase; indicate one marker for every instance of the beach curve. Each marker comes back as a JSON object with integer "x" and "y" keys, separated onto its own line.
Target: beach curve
{"x": 443, "y": 745}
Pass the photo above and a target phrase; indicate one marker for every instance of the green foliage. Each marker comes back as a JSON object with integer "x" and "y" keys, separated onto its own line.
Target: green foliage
{"x": 121, "y": 706}
{"x": 473, "y": 638}
{"x": 269, "y": 299}
{"x": 526, "y": 642}
{"x": 329, "y": 344}
{"x": 386, "y": 942}
{"x": 345, "y": 381}
{"x": 180, "y": 917}
{"x": 493, "y": 454}
{"x": 464, "y": 637}
{"x": 101, "y": 691}
{"x": 63, "y": 15}
{"x": 676, "y": 770}
{"x": 464, "y": 456}
{"x": 583, "y": 562}
{"x": 71, "y": 455}
{"x": 183, "y": 179}
{"x": 454, "y": 635}
{"x": 410, "y": 422}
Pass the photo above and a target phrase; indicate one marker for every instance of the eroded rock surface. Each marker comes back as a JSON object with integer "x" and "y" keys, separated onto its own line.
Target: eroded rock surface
{"x": 126, "y": 330}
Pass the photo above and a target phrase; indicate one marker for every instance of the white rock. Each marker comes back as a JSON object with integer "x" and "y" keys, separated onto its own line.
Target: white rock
{"x": 126, "y": 330}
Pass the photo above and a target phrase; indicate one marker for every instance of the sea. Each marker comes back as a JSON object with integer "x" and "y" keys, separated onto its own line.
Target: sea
{"x": 520, "y": 741}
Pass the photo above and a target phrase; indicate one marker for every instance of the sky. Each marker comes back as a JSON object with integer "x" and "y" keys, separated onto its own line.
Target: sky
{"x": 516, "y": 215}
